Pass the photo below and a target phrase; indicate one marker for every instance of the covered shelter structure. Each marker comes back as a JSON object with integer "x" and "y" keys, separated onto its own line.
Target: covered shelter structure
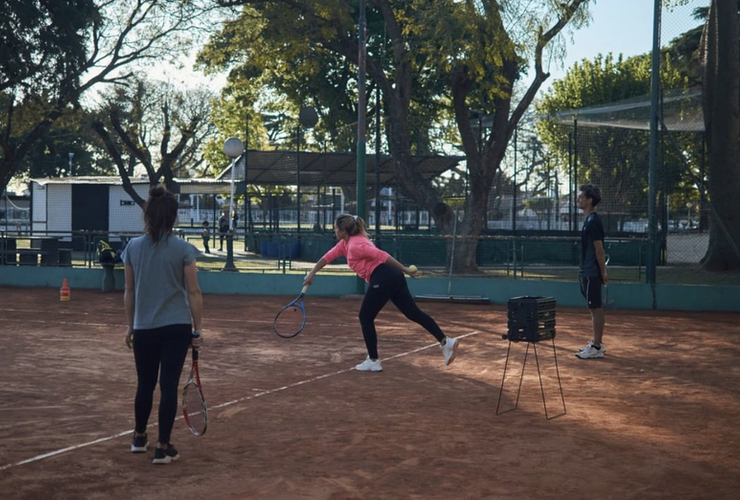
{"x": 298, "y": 189}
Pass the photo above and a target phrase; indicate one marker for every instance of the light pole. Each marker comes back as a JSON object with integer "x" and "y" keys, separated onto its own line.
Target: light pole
{"x": 307, "y": 118}
{"x": 233, "y": 148}
{"x": 71, "y": 155}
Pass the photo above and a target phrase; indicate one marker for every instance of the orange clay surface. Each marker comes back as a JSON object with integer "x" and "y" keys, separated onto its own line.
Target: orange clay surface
{"x": 290, "y": 419}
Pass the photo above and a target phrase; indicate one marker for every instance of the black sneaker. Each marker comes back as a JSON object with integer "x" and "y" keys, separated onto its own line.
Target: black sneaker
{"x": 162, "y": 456}
{"x": 139, "y": 444}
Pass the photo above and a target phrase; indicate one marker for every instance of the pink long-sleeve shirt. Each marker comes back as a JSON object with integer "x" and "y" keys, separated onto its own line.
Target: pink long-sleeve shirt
{"x": 362, "y": 256}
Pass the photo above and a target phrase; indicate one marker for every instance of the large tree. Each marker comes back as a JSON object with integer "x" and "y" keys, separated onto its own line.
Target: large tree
{"x": 157, "y": 127}
{"x": 71, "y": 46}
{"x": 460, "y": 55}
{"x": 721, "y": 102}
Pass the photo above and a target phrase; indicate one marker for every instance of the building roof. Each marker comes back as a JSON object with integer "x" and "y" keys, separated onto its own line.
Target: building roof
{"x": 99, "y": 179}
{"x": 279, "y": 168}
{"x": 327, "y": 169}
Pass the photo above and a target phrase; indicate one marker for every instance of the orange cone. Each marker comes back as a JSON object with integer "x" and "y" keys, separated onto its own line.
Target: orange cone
{"x": 64, "y": 291}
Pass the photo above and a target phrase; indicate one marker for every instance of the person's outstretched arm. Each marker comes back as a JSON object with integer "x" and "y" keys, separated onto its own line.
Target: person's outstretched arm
{"x": 316, "y": 268}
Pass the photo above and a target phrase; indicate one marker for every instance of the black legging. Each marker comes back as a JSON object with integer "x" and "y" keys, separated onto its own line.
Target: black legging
{"x": 166, "y": 347}
{"x": 388, "y": 283}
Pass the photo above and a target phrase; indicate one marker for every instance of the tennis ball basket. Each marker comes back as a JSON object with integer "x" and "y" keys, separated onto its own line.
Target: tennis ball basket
{"x": 531, "y": 319}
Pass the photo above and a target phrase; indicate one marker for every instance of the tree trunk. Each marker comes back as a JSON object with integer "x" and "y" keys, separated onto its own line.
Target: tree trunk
{"x": 721, "y": 102}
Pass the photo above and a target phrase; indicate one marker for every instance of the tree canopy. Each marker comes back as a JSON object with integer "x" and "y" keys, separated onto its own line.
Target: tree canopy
{"x": 77, "y": 45}
{"x": 432, "y": 61}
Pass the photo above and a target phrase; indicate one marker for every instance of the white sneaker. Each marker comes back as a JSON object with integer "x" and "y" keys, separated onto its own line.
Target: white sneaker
{"x": 590, "y": 343}
{"x": 590, "y": 353}
{"x": 369, "y": 366}
{"x": 450, "y": 350}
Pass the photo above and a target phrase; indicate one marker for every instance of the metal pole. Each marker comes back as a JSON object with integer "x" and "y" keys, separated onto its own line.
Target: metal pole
{"x": 570, "y": 182}
{"x": 361, "y": 105}
{"x": 653, "y": 151}
{"x": 377, "y": 164}
{"x": 247, "y": 202}
{"x": 548, "y": 194}
{"x": 575, "y": 171}
{"x": 701, "y": 182}
{"x": 361, "y": 118}
{"x": 298, "y": 178}
{"x": 513, "y": 202}
{"x": 229, "y": 265}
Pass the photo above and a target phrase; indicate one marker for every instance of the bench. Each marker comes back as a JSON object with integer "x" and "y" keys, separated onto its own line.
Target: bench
{"x": 30, "y": 257}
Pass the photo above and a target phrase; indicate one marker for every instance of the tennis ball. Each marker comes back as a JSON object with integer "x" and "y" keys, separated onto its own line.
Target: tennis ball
{"x": 413, "y": 268}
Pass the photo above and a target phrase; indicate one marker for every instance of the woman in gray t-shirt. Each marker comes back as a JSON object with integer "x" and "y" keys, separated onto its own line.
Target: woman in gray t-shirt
{"x": 164, "y": 310}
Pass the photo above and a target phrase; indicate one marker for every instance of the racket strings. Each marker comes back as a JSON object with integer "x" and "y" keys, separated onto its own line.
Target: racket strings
{"x": 194, "y": 406}
{"x": 290, "y": 320}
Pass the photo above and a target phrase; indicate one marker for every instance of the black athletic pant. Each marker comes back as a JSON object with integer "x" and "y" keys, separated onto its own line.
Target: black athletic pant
{"x": 388, "y": 283}
{"x": 164, "y": 347}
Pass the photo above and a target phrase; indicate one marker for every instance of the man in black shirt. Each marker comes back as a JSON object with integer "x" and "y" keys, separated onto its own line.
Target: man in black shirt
{"x": 223, "y": 229}
{"x": 592, "y": 273}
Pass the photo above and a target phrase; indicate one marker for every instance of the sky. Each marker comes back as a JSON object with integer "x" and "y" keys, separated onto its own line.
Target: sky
{"x": 624, "y": 26}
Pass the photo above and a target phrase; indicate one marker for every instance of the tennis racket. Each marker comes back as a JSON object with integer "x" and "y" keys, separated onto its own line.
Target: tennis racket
{"x": 291, "y": 319}
{"x": 194, "y": 408}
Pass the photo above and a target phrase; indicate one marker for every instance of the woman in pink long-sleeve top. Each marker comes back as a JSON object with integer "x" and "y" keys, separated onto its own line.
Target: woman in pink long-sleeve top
{"x": 387, "y": 282}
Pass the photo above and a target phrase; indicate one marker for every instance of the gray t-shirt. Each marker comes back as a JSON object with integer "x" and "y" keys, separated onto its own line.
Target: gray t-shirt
{"x": 161, "y": 298}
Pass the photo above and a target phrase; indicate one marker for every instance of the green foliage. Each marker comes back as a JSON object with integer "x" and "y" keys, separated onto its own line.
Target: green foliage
{"x": 44, "y": 44}
{"x": 49, "y": 156}
{"x": 280, "y": 61}
{"x": 54, "y": 51}
{"x": 615, "y": 159}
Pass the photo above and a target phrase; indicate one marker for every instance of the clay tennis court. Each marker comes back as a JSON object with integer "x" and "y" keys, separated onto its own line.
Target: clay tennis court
{"x": 290, "y": 419}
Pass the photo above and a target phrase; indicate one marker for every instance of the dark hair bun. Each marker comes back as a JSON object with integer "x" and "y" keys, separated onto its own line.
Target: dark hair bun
{"x": 157, "y": 191}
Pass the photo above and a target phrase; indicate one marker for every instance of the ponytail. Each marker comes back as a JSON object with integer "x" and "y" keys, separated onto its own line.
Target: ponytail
{"x": 160, "y": 213}
{"x": 351, "y": 224}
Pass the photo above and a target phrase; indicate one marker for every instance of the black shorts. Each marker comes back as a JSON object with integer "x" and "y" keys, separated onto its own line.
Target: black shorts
{"x": 591, "y": 290}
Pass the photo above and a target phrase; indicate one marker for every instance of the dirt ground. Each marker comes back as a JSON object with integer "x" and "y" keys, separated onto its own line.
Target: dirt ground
{"x": 290, "y": 419}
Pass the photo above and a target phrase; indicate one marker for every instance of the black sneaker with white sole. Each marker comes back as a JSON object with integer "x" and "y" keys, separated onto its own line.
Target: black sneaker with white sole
{"x": 165, "y": 456}
{"x": 139, "y": 444}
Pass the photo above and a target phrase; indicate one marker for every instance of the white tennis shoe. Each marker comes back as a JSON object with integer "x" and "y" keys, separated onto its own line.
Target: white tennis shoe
{"x": 450, "y": 350}
{"x": 369, "y": 366}
{"x": 590, "y": 343}
{"x": 590, "y": 353}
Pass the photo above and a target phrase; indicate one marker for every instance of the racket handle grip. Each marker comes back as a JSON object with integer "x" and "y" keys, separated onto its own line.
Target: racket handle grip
{"x": 304, "y": 289}
{"x": 196, "y": 336}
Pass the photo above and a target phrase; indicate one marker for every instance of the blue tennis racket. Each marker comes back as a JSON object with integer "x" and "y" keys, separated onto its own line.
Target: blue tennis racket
{"x": 291, "y": 319}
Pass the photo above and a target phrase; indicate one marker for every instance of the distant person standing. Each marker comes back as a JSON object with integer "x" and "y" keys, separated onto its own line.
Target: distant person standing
{"x": 223, "y": 229}
{"x": 206, "y": 235}
{"x": 234, "y": 222}
{"x": 592, "y": 272}
{"x": 164, "y": 308}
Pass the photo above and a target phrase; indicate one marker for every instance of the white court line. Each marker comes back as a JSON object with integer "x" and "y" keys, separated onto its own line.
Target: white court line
{"x": 222, "y": 405}
{"x": 123, "y": 326}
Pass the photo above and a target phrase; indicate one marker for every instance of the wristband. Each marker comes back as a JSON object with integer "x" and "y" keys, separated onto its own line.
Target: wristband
{"x": 196, "y": 333}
